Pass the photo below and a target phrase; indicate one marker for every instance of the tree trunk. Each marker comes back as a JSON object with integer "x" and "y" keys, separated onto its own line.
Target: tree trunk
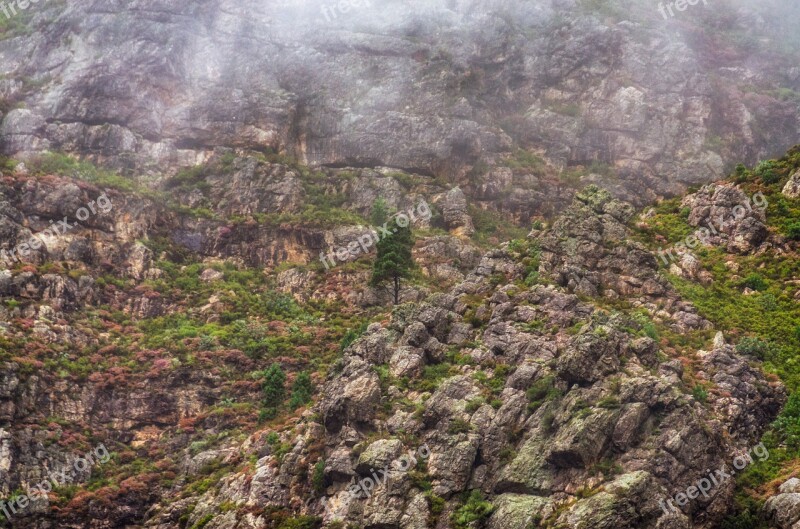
{"x": 396, "y": 289}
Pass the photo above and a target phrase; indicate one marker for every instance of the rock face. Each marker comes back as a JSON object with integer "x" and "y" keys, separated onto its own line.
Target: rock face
{"x": 514, "y": 385}
{"x": 586, "y": 428}
{"x": 728, "y": 216}
{"x": 792, "y": 187}
{"x": 442, "y": 88}
{"x": 589, "y": 252}
{"x": 454, "y": 211}
{"x": 783, "y": 509}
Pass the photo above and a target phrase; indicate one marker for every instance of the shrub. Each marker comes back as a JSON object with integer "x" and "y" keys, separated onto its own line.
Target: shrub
{"x": 507, "y": 455}
{"x": 352, "y": 335}
{"x": 743, "y": 520}
{"x": 474, "y": 509}
{"x": 302, "y": 389}
{"x": 273, "y": 390}
{"x": 431, "y": 376}
{"x": 458, "y": 426}
{"x": 61, "y": 164}
{"x": 768, "y": 172}
{"x": 700, "y": 394}
{"x": 301, "y": 522}
{"x": 435, "y": 503}
{"x": 793, "y": 230}
{"x": 741, "y": 174}
{"x": 755, "y": 347}
{"x": 548, "y": 420}
{"x": 523, "y": 160}
{"x": 542, "y": 390}
{"x": 318, "y": 477}
{"x": 609, "y": 402}
{"x": 768, "y": 302}
{"x": 278, "y": 305}
{"x": 646, "y": 325}
{"x": 473, "y": 405}
{"x": 607, "y": 467}
{"x": 202, "y": 522}
{"x": 380, "y": 212}
{"x": 755, "y": 281}
{"x": 787, "y": 425}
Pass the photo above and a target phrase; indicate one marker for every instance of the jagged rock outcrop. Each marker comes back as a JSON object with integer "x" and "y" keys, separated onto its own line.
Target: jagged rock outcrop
{"x": 519, "y": 386}
{"x": 555, "y": 411}
{"x": 730, "y": 217}
{"x": 112, "y": 262}
{"x": 589, "y": 252}
{"x": 792, "y": 187}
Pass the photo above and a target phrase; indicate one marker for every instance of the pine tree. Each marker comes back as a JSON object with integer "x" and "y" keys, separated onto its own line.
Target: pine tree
{"x": 274, "y": 390}
{"x": 302, "y": 389}
{"x": 394, "y": 261}
{"x": 379, "y": 213}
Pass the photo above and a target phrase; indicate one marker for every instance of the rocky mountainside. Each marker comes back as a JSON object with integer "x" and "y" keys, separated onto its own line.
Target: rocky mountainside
{"x": 601, "y": 322}
{"x": 569, "y": 378}
{"x": 574, "y": 91}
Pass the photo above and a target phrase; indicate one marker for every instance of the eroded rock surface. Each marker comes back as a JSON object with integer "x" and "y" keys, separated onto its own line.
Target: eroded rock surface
{"x": 442, "y": 88}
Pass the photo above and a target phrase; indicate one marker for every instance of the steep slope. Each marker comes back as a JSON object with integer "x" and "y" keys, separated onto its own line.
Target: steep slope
{"x": 556, "y": 411}
{"x": 744, "y": 277}
{"x": 559, "y": 380}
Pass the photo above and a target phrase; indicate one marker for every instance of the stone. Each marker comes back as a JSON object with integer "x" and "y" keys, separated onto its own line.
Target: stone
{"x": 210, "y": 275}
{"x": 378, "y": 456}
{"x": 454, "y": 211}
{"x": 792, "y": 187}
{"x": 406, "y": 362}
{"x": 518, "y": 511}
{"x": 783, "y": 510}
